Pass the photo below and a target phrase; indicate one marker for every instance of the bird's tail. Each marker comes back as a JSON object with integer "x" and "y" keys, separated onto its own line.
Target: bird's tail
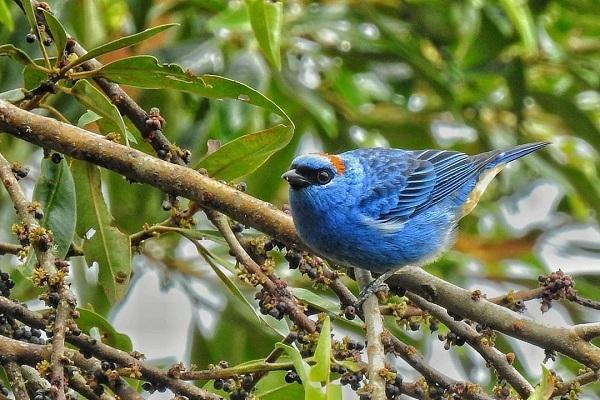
{"x": 497, "y": 157}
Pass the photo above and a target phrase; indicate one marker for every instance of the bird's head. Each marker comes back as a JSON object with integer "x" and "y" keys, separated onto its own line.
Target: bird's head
{"x": 320, "y": 174}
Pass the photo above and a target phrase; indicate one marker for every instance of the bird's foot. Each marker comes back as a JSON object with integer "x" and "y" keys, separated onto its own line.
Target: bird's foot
{"x": 373, "y": 288}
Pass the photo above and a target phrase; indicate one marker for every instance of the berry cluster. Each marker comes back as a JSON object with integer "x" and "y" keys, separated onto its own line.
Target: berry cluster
{"x": 19, "y": 171}
{"x": 451, "y": 338}
{"x": 42, "y": 394}
{"x": 25, "y": 334}
{"x": 291, "y": 377}
{"x": 239, "y": 387}
{"x": 354, "y": 379}
{"x": 555, "y": 286}
{"x": 502, "y": 392}
{"x": 151, "y": 388}
{"x": 6, "y": 284}
{"x": 270, "y": 305}
{"x": 394, "y": 389}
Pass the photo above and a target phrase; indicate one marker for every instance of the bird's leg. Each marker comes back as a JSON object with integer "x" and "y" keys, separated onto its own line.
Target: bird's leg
{"x": 373, "y": 287}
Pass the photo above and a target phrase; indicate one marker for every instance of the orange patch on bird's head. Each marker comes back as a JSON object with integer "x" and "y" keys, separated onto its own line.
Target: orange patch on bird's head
{"x": 336, "y": 161}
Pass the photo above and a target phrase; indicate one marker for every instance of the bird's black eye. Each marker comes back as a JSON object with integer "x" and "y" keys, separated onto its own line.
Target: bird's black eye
{"x": 324, "y": 176}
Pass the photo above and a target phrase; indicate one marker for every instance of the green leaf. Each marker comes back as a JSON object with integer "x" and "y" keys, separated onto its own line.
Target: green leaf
{"x": 245, "y": 154}
{"x": 29, "y": 13}
{"x": 520, "y": 15}
{"x": 266, "y": 18}
{"x": 119, "y": 44}
{"x": 107, "y": 246}
{"x": 58, "y": 34}
{"x": 231, "y": 18}
{"x": 279, "y": 329}
{"x": 95, "y": 100}
{"x": 55, "y": 190}
{"x": 320, "y": 371}
{"x": 301, "y": 366}
{"x": 89, "y": 319}
{"x": 145, "y": 72}
{"x": 274, "y": 387}
{"x": 544, "y": 390}
{"x": 32, "y": 77}
{"x": 5, "y": 17}
{"x": 87, "y": 118}
{"x": 10, "y": 50}
{"x": 12, "y": 95}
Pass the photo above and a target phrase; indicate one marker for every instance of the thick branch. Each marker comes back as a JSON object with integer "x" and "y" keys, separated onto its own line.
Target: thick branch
{"x": 141, "y": 167}
{"x": 461, "y": 302}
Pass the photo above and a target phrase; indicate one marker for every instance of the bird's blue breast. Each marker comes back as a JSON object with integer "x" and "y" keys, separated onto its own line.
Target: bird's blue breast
{"x": 348, "y": 237}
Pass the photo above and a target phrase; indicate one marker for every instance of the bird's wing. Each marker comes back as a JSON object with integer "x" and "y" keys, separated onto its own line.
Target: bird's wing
{"x": 403, "y": 186}
{"x": 395, "y": 183}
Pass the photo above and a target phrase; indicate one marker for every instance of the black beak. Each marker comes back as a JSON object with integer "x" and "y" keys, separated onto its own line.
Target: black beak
{"x": 295, "y": 180}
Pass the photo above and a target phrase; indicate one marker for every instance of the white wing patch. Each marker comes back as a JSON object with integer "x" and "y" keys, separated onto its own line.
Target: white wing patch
{"x": 389, "y": 226}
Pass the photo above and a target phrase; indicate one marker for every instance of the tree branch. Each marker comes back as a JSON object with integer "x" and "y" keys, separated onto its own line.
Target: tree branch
{"x": 374, "y": 328}
{"x": 276, "y": 288}
{"x": 10, "y": 248}
{"x": 498, "y": 360}
{"x": 16, "y": 380}
{"x": 30, "y": 353}
{"x": 461, "y": 302}
{"x": 587, "y": 331}
{"x": 55, "y": 280}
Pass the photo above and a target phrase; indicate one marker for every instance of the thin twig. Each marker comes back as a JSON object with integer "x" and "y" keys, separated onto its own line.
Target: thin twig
{"x": 374, "y": 330}
{"x": 494, "y": 357}
{"x": 587, "y": 331}
{"x": 580, "y": 380}
{"x": 276, "y": 287}
{"x": 10, "y": 248}
{"x": 87, "y": 344}
{"x": 224, "y": 373}
{"x": 47, "y": 260}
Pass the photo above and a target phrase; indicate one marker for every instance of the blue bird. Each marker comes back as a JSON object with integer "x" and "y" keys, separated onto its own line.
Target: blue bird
{"x": 381, "y": 209}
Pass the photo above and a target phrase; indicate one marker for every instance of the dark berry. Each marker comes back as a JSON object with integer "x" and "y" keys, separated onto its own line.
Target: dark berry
{"x": 291, "y": 377}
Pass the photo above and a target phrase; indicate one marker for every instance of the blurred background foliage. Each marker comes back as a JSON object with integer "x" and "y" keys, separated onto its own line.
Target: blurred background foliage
{"x": 467, "y": 75}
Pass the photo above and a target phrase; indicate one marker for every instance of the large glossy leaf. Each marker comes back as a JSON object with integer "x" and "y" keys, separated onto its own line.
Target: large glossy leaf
{"x": 103, "y": 242}
{"x": 146, "y": 72}
{"x": 119, "y": 44}
{"x": 245, "y": 154}
{"x": 89, "y": 319}
{"x": 10, "y": 50}
{"x": 95, "y": 100}
{"x": 266, "y": 17}
{"x": 55, "y": 190}
{"x": 58, "y": 34}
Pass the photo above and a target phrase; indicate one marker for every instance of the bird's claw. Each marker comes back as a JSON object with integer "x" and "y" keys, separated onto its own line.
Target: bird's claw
{"x": 373, "y": 288}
